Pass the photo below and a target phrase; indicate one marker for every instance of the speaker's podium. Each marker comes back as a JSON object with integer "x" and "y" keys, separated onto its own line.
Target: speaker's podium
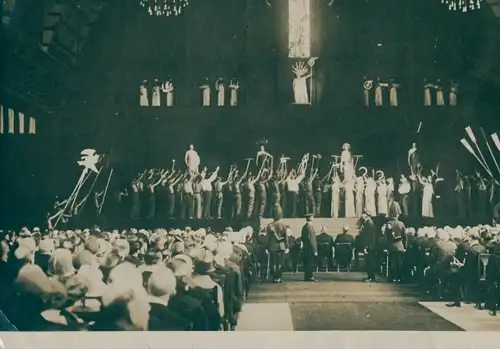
{"x": 333, "y": 225}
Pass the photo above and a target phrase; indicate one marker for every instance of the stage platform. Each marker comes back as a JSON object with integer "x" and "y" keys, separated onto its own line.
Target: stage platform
{"x": 332, "y": 225}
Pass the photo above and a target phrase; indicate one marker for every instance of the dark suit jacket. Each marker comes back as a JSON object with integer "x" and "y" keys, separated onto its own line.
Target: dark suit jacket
{"x": 276, "y": 237}
{"x": 369, "y": 234}
{"x": 308, "y": 237}
{"x": 345, "y": 238}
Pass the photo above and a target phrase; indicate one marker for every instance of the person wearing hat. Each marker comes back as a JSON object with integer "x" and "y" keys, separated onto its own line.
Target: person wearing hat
{"x": 310, "y": 247}
{"x": 325, "y": 246}
{"x": 395, "y": 234}
{"x": 277, "y": 245}
{"x": 368, "y": 235}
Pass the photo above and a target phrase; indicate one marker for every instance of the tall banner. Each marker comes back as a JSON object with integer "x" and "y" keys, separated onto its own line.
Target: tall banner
{"x": 32, "y": 126}
{"x": 11, "y": 121}
{"x": 1, "y": 119}
{"x": 21, "y": 123}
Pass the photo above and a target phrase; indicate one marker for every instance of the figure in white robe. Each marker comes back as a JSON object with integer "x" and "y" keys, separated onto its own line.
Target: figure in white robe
{"x": 367, "y": 86}
{"x": 219, "y": 86}
{"x": 234, "y": 86}
{"x": 439, "y": 94}
{"x": 393, "y": 94}
{"x": 379, "y": 98}
{"x": 192, "y": 160}
{"x": 390, "y": 192}
{"x": 143, "y": 99}
{"x": 360, "y": 195}
{"x": 370, "y": 188}
{"x": 156, "y": 98}
{"x": 346, "y": 162}
{"x": 336, "y": 186}
{"x": 168, "y": 88}
{"x": 350, "y": 211}
{"x": 382, "y": 207}
{"x": 300, "y": 93}
{"x": 205, "y": 94}
{"x": 453, "y": 94}
{"x": 427, "y": 93}
{"x": 428, "y": 193}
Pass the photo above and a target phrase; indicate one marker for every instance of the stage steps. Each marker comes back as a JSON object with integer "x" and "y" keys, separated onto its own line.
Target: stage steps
{"x": 333, "y": 225}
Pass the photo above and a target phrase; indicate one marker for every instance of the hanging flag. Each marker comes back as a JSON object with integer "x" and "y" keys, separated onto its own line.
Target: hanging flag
{"x": 1, "y": 119}
{"x": 32, "y": 126}
{"x": 11, "y": 121}
{"x": 21, "y": 123}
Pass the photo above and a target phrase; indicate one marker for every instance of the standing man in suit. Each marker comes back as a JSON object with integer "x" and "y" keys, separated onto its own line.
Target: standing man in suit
{"x": 277, "y": 245}
{"x": 310, "y": 248}
{"x": 368, "y": 234}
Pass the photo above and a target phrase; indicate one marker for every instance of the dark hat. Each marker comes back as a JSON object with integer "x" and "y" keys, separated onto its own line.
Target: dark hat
{"x": 309, "y": 215}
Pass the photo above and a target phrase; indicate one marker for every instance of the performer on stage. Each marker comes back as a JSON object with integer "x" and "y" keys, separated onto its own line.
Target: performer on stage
{"x": 168, "y": 89}
{"x": 250, "y": 194}
{"x": 219, "y": 187}
{"x": 187, "y": 211}
{"x": 263, "y": 157}
{"x": 346, "y": 162}
{"x": 360, "y": 194}
{"x": 370, "y": 189}
{"x": 197, "y": 191}
{"x": 292, "y": 183}
{"x": 310, "y": 248}
{"x": 205, "y": 88}
{"x": 192, "y": 160}
{"x": 262, "y": 198}
{"x": 143, "y": 93}
{"x": 234, "y": 86}
{"x": 414, "y": 161}
{"x": 428, "y": 193}
{"x": 206, "y": 185}
{"x": 172, "y": 183}
{"x": 300, "y": 83}
{"x": 350, "y": 211}
{"x": 404, "y": 195}
{"x": 136, "y": 202}
{"x": 336, "y": 187}
{"x": 156, "y": 100}
{"x": 219, "y": 86}
{"x": 368, "y": 236}
{"x": 382, "y": 207}
{"x": 308, "y": 186}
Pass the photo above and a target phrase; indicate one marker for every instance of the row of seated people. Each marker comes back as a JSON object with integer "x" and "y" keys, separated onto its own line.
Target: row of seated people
{"x": 94, "y": 280}
{"x": 458, "y": 265}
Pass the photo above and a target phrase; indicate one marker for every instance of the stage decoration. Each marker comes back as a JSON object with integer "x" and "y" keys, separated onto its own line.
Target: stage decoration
{"x": 164, "y": 7}
{"x": 463, "y": 5}
{"x": 299, "y": 28}
{"x": 299, "y": 84}
{"x": 479, "y": 155}
{"x": 234, "y": 85}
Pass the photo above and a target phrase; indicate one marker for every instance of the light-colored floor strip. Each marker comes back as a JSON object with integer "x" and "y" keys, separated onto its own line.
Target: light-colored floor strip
{"x": 466, "y": 317}
{"x": 265, "y": 317}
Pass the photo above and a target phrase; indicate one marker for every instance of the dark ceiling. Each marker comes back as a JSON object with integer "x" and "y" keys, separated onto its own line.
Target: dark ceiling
{"x": 56, "y": 52}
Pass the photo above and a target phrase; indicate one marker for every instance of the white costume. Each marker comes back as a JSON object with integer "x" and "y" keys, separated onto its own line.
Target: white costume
{"x": 206, "y": 95}
{"x": 220, "y": 94}
{"x": 371, "y": 187}
{"x": 192, "y": 160}
{"x": 233, "y": 102}
{"x": 350, "y": 211}
{"x": 156, "y": 102}
{"x": 143, "y": 99}
{"x": 300, "y": 90}
{"x": 428, "y": 192}
{"x": 382, "y": 198}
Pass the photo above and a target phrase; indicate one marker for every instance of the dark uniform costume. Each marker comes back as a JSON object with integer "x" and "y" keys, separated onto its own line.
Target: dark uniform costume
{"x": 368, "y": 235}
{"x": 309, "y": 249}
{"x": 277, "y": 244}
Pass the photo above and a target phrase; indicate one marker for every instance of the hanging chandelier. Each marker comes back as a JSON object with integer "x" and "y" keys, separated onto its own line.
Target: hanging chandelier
{"x": 164, "y": 7}
{"x": 463, "y": 5}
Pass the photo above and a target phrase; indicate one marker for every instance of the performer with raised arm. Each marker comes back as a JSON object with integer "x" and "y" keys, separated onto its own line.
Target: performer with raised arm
{"x": 187, "y": 211}
{"x": 219, "y": 187}
{"x": 206, "y": 185}
{"x": 414, "y": 161}
{"x": 292, "y": 182}
{"x": 172, "y": 183}
{"x": 404, "y": 195}
{"x": 299, "y": 85}
{"x": 262, "y": 187}
{"x": 427, "y": 196}
{"x": 192, "y": 160}
{"x": 370, "y": 189}
{"x": 168, "y": 89}
{"x": 219, "y": 87}
{"x": 308, "y": 186}
{"x": 250, "y": 193}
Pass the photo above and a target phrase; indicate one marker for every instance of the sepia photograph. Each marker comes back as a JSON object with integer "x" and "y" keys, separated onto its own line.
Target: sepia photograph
{"x": 249, "y": 165}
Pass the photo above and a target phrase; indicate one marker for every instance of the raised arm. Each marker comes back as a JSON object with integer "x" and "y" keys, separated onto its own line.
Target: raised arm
{"x": 214, "y": 175}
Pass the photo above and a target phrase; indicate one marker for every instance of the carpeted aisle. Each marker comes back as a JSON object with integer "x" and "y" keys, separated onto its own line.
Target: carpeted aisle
{"x": 338, "y": 302}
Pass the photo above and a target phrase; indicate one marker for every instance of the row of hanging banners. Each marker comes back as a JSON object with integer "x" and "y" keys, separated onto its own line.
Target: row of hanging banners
{"x": 15, "y": 122}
